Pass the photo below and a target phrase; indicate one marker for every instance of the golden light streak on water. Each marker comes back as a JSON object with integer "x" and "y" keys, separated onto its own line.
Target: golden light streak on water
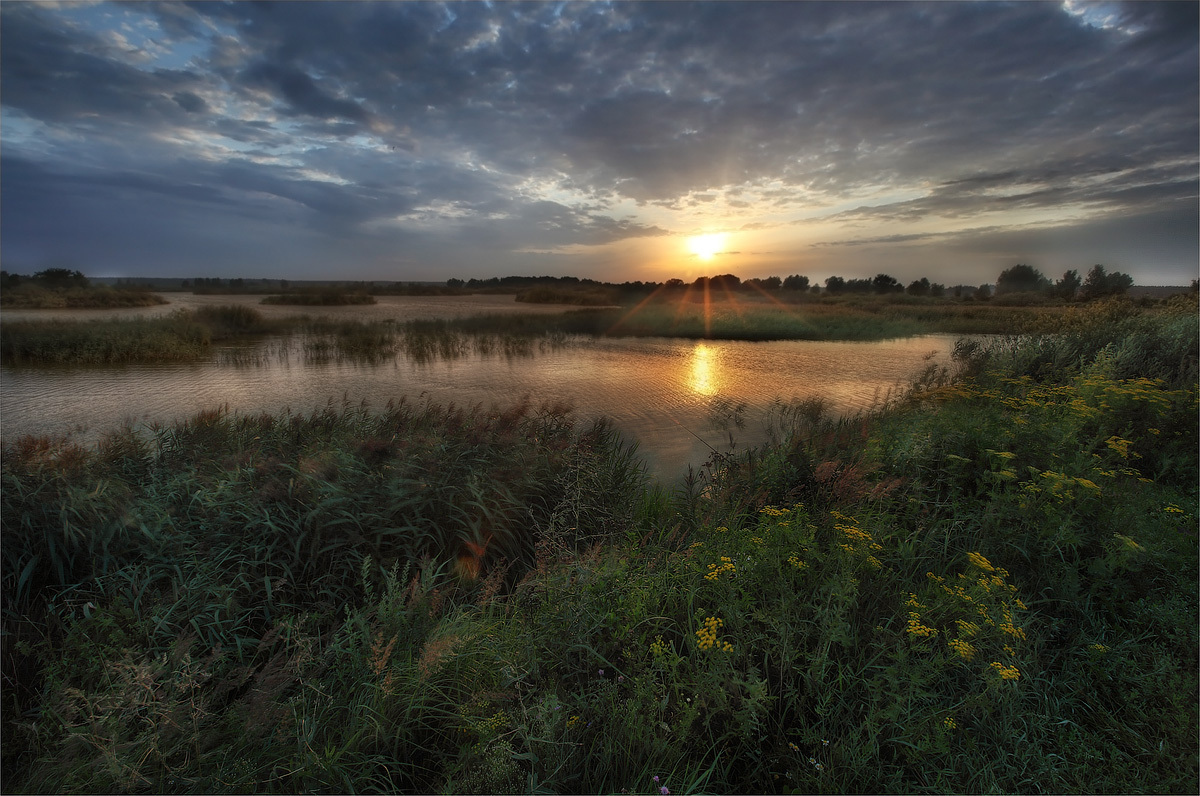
{"x": 704, "y": 376}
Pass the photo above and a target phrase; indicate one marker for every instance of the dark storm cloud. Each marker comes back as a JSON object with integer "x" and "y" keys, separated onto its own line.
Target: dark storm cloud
{"x": 65, "y": 76}
{"x": 301, "y": 93}
{"x": 405, "y": 121}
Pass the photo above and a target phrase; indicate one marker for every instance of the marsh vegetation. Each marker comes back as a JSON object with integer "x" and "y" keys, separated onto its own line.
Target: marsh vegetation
{"x": 60, "y": 288}
{"x": 985, "y": 585}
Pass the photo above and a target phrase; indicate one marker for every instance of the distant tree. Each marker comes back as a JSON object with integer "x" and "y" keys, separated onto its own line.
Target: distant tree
{"x": 454, "y": 283}
{"x": 983, "y": 292}
{"x": 815, "y": 289}
{"x": 1021, "y": 279}
{"x": 918, "y": 287}
{"x": 883, "y": 283}
{"x": 771, "y": 283}
{"x": 673, "y": 283}
{"x": 1068, "y": 286}
{"x": 726, "y": 282}
{"x": 835, "y": 284}
{"x": 1196, "y": 285}
{"x": 937, "y": 290}
{"x": 8, "y": 280}
{"x": 284, "y": 284}
{"x": 1099, "y": 283}
{"x": 796, "y": 282}
{"x": 859, "y": 286}
{"x": 60, "y": 278}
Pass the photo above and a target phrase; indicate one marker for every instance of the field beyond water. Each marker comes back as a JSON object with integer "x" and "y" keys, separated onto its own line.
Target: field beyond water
{"x": 987, "y": 585}
{"x": 189, "y": 335}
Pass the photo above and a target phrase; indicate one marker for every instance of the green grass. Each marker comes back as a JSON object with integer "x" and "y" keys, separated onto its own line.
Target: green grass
{"x": 987, "y": 585}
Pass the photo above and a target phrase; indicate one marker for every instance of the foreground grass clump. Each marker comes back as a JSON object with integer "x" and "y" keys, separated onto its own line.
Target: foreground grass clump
{"x": 987, "y": 586}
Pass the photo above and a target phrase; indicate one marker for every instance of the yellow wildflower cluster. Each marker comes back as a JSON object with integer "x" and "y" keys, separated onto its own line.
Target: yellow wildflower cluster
{"x": 1098, "y": 648}
{"x": 706, "y": 636}
{"x": 1006, "y": 672}
{"x": 962, "y": 647}
{"x": 915, "y": 628}
{"x": 756, "y": 539}
{"x": 949, "y": 723}
{"x": 1139, "y": 393}
{"x": 717, "y": 570}
{"x": 795, "y": 561}
{"x": 981, "y": 562}
{"x": 571, "y": 722}
{"x": 976, "y": 611}
{"x": 658, "y": 647}
{"x": 1170, "y": 508}
{"x": 1121, "y": 446}
{"x": 1058, "y": 485}
{"x": 858, "y": 543}
{"x": 494, "y": 722}
{"x": 966, "y": 628}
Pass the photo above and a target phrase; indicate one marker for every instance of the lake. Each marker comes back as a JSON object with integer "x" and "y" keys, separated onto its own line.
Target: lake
{"x": 672, "y": 396}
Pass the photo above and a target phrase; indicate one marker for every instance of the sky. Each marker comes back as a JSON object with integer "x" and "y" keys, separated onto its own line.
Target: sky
{"x": 614, "y": 141}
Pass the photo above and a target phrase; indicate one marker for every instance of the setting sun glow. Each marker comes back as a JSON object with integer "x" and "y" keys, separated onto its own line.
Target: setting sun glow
{"x": 705, "y": 246}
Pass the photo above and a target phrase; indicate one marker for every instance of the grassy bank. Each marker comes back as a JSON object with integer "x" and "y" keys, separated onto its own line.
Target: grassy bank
{"x": 989, "y": 585}
{"x": 185, "y": 336}
{"x": 837, "y": 318}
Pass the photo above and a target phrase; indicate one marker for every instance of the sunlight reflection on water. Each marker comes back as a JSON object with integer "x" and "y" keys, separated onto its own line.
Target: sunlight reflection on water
{"x": 662, "y": 392}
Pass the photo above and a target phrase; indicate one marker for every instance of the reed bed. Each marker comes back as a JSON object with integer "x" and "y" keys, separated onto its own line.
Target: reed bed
{"x": 987, "y": 584}
{"x": 32, "y": 296}
{"x": 177, "y": 338}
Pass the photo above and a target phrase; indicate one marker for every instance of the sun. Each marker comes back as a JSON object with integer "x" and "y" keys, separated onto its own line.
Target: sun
{"x": 706, "y": 246}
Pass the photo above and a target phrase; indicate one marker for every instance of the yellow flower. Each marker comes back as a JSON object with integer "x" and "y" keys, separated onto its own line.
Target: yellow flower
{"x": 706, "y": 636}
{"x": 981, "y": 562}
{"x": 949, "y": 723}
{"x": 1121, "y": 446}
{"x": 1006, "y": 672}
{"x": 963, "y": 648}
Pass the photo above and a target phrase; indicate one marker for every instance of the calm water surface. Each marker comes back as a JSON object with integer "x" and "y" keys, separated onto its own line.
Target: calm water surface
{"x": 669, "y": 395}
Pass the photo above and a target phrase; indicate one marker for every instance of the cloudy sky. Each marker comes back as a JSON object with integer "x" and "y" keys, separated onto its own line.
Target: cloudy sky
{"x": 422, "y": 141}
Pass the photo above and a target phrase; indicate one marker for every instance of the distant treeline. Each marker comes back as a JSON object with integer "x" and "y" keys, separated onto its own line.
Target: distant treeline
{"x": 59, "y": 288}
{"x": 1020, "y": 283}
{"x": 1019, "y": 279}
